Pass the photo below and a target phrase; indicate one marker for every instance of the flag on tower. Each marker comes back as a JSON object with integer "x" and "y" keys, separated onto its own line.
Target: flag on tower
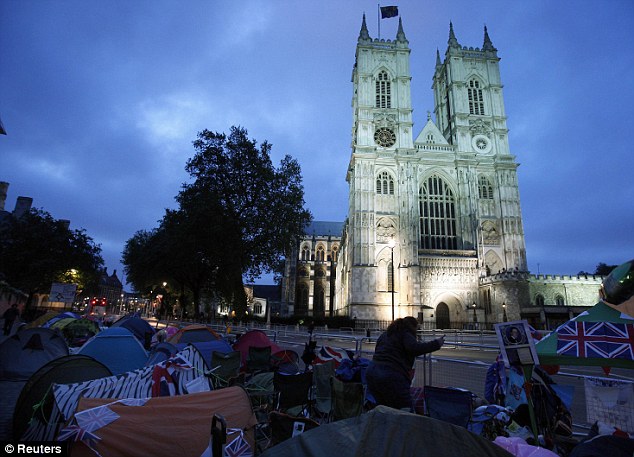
{"x": 389, "y": 11}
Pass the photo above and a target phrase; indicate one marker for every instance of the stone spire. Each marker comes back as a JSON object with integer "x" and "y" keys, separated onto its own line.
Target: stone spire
{"x": 438, "y": 62}
{"x": 363, "y": 34}
{"x": 400, "y": 35}
{"x": 453, "y": 42}
{"x": 488, "y": 45}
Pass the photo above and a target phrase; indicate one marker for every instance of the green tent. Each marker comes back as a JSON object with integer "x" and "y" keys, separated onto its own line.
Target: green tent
{"x": 601, "y": 336}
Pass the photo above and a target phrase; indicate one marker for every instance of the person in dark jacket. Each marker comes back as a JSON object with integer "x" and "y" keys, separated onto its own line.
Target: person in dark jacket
{"x": 389, "y": 375}
{"x": 10, "y": 315}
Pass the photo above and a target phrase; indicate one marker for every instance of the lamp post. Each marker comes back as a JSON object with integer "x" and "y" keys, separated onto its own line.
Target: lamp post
{"x": 391, "y": 244}
{"x": 504, "y": 311}
{"x": 475, "y": 316}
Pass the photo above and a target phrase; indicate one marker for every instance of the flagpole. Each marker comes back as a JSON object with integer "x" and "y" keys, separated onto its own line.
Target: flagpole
{"x": 378, "y": 17}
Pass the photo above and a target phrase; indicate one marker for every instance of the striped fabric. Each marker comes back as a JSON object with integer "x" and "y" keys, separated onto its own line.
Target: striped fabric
{"x": 134, "y": 384}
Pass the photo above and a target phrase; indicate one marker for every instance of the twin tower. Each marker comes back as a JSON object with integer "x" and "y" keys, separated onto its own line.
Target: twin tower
{"x": 433, "y": 217}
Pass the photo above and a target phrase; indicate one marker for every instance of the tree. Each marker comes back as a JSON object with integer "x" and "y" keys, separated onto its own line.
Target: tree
{"x": 604, "y": 269}
{"x": 37, "y": 250}
{"x": 254, "y": 210}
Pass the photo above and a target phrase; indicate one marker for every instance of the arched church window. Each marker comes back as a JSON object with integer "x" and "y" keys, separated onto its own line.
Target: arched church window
{"x": 320, "y": 255}
{"x": 385, "y": 184}
{"x": 539, "y": 300}
{"x": 485, "y": 189}
{"x": 334, "y": 253}
{"x": 305, "y": 253}
{"x": 476, "y": 101}
{"x": 437, "y": 215}
{"x": 383, "y": 90}
{"x": 430, "y": 137}
{"x": 559, "y": 300}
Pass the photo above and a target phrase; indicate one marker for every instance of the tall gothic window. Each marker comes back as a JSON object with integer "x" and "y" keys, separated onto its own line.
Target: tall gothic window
{"x": 385, "y": 184}
{"x": 485, "y": 189}
{"x": 383, "y": 91}
{"x": 539, "y": 300}
{"x": 476, "y": 102}
{"x": 320, "y": 255}
{"x": 305, "y": 253}
{"x": 559, "y": 300}
{"x": 334, "y": 253}
{"x": 437, "y": 215}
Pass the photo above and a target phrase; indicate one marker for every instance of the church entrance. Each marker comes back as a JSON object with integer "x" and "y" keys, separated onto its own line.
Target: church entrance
{"x": 442, "y": 316}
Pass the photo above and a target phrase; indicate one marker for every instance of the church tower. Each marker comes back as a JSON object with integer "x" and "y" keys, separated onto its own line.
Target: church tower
{"x": 432, "y": 219}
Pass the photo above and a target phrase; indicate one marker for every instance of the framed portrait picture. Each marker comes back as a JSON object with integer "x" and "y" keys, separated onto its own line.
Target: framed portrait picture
{"x": 516, "y": 343}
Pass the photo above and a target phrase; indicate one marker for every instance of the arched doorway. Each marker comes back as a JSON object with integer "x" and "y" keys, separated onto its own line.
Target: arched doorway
{"x": 442, "y": 316}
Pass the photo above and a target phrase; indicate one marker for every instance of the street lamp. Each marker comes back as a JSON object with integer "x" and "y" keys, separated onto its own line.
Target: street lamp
{"x": 504, "y": 310}
{"x": 475, "y": 317}
{"x": 392, "y": 244}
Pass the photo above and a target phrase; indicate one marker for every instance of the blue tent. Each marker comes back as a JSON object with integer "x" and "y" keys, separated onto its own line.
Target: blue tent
{"x": 139, "y": 328}
{"x": 206, "y": 348}
{"x": 117, "y": 348}
{"x": 60, "y": 316}
{"x": 27, "y": 351}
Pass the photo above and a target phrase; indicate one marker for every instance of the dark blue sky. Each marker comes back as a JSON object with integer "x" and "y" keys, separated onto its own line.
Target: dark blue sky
{"x": 102, "y": 100}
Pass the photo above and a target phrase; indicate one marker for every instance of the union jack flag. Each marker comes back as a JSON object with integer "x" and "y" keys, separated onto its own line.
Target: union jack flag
{"x": 94, "y": 418}
{"x": 76, "y": 433}
{"x": 327, "y": 353}
{"x": 239, "y": 447}
{"x": 165, "y": 376}
{"x": 596, "y": 339}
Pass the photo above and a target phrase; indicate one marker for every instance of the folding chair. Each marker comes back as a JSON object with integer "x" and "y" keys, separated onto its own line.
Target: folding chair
{"x": 348, "y": 399}
{"x": 449, "y": 405}
{"x": 285, "y": 361}
{"x": 259, "y": 359}
{"x": 224, "y": 368}
{"x": 322, "y": 372}
{"x": 284, "y": 426}
{"x": 293, "y": 392}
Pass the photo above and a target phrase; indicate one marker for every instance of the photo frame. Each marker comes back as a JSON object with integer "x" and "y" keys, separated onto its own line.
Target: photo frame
{"x": 516, "y": 343}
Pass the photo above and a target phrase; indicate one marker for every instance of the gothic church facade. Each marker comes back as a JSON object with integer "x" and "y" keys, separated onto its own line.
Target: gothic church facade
{"x": 434, "y": 226}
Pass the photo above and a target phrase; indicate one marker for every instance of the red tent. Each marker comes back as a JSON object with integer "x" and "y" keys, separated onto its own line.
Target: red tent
{"x": 254, "y": 338}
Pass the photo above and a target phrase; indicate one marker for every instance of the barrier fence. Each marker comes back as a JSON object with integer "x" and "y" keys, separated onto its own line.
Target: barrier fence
{"x": 594, "y": 397}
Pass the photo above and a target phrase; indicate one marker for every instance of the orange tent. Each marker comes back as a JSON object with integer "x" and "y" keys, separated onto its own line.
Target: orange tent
{"x": 194, "y": 333}
{"x": 167, "y": 426}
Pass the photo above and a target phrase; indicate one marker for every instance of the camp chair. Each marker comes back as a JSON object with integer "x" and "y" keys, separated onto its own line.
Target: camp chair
{"x": 224, "y": 367}
{"x": 293, "y": 392}
{"x": 259, "y": 359}
{"x": 322, "y": 372}
{"x": 284, "y": 426}
{"x": 347, "y": 399}
{"x": 450, "y": 405}
{"x": 286, "y": 361}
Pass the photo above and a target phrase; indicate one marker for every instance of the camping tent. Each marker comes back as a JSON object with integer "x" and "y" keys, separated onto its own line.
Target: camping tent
{"x": 43, "y": 319}
{"x": 64, "y": 397}
{"x": 71, "y": 368}
{"x": 27, "y": 351}
{"x": 254, "y": 338}
{"x": 64, "y": 315}
{"x": 117, "y": 348}
{"x": 194, "y": 333}
{"x": 387, "y": 432}
{"x": 206, "y": 348}
{"x": 165, "y": 426}
{"x": 76, "y": 331}
{"x": 140, "y": 328}
{"x": 601, "y": 336}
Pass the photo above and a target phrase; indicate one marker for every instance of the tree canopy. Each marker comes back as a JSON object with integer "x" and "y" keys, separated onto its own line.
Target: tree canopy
{"x": 37, "y": 250}
{"x": 236, "y": 219}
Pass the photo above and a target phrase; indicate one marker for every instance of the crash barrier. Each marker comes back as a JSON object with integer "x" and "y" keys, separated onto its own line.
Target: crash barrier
{"x": 592, "y": 397}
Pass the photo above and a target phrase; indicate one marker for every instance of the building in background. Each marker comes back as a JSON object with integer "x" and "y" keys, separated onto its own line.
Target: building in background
{"x": 434, "y": 226}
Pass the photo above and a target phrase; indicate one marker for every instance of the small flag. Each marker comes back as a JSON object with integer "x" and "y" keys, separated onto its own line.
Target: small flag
{"x": 389, "y": 11}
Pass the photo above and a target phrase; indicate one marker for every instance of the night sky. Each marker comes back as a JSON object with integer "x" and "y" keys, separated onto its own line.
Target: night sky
{"x": 101, "y": 101}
